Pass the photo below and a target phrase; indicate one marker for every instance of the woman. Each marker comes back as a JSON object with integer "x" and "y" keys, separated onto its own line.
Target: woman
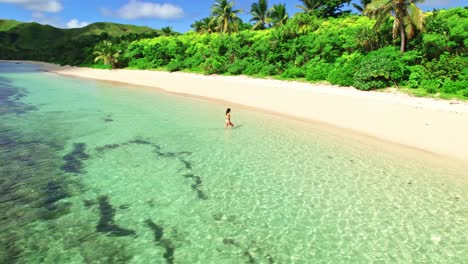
{"x": 228, "y": 118}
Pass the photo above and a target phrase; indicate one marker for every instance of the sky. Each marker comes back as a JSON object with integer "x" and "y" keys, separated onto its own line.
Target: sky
{"x": 179, "y": 14}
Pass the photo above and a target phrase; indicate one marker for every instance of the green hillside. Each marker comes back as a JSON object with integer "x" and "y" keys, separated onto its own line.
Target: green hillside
{"x": 8, "y": 24}
{"x": 67, "y": 46}
{"x": 113, "y": 29}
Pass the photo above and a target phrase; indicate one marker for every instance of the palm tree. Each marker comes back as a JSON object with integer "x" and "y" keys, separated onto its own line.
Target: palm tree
{"x": 407, "y": 17}
{"x": 362, "y": 6}
{"x": 324, "y": 8}
{"x": 204, "y": 25}
{"x": 309, "y": 5}
{"x": 278, "y": 15}
{"x": 225, "y": 16}
{"x": 259, "y": 11}
{"x": 105, "y": 52}
{"x": 168, "y": 31}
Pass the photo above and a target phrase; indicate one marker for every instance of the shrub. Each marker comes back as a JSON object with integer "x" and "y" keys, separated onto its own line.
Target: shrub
{"x": 253, "y": 68}
{"x": 293, "y": 72}
{"x": 142, "y": 63}
{"x": 452, "y": 87}
{"x": 175, "y": 65}
{"x": 238, "y": 67}
{"x": 343, "y": 70}
{"x": 380, "y": 69}
{"x": 447, "y": 67}
{"x": 268, "y": 70}
{"x": 431, "y": 86}
{"x": 194, "y": 61}
{"x": 214, "y": 65}
{"x": 317, "y": 70}
{"x": 416, "y": 76}
{"x": 433, "y": 45}
{"x": 465, "y": 92}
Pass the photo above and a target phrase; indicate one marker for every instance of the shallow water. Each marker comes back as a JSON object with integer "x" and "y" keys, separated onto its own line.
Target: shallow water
{"x": 99, "y": 173}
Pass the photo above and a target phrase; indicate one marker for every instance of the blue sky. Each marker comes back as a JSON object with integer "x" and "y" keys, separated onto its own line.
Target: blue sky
{"x": 154, "y": 13}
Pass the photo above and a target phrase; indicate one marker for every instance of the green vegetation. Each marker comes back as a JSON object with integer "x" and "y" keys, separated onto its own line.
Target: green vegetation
{"x": 106, "y": 53}
{"x": 361, "y": 7}
{"x": 278, "y": 16}
{"x": 259, "y": 12}
{"x": 425, "y": 55}
{"x": 32, "y": 41}
{"x": 407, "y": 17}
{"x": 225, "y": 16}
{"x": 6, "y": 25}
{"x": 324, "y": 8}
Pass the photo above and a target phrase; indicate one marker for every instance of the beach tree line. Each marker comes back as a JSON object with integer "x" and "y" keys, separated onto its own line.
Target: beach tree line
{"x": 390, "y": 43}
{"x": 384, "y": 43}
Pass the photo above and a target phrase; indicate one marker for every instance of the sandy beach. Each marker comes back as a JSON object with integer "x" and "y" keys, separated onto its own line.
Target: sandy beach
{"x": 436, "y": 126}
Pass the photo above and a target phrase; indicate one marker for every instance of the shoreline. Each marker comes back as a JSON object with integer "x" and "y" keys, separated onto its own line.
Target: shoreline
{"x": 431, "y": 125}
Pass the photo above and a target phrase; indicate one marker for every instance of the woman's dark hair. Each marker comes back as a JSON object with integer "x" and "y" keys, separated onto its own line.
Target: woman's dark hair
{"x": 228, "y": 111}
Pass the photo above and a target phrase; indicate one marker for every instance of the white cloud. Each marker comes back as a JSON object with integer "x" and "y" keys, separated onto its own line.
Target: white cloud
{"x": 46, "y": 20}
{"x": 75, "y": 23}
{"x": 135, "y": 9}
{"x": 51, "y": 6}
{"x": 55, "y": 21}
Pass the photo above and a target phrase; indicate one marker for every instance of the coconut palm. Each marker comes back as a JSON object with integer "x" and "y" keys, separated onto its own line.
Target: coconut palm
{"x": 168, "y": 31}
{"x": 277, "y": 15}
{"x": 361, "y": 7}
{"x": 407, "y": 17}
{"x": 105, "y": 52}
{"x": 259, "y": 11}
{"x": 309, "y": 5}
{"x": 204, "y": 25}
{"x": 225, "y": 16}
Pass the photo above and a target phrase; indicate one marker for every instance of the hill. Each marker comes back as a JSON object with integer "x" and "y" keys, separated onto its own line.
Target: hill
{"x": 113, "y": 29}
{"x": 8, "y": 24}
{"x": 20, "y": 40}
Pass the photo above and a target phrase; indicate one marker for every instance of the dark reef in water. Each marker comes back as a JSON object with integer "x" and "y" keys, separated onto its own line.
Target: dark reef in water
{"x": 79, "y": 151}
{"x": 157, "y": 149}
{"x": 106, "y": 222}
{"x": 89, "y": 203}
{"x": 170, "y": 249}
{"x": 196, "y": 185}
{"x": 108, "y": 118}
{"x": 167, "y": 244}
{"x": 250, "y": 258}
{"x": 73, "y": 160}
{"x": 158, "y": 231}
{"x": 33, "y": 187}
{"x": 53, "y": 193}
{"x": 107, "y": 147}
{"x": 187, "y": 164}
{"x": 246, "y": 253}
{"x": 124, "y": 206}
{"x": 10, "y": 99}
{"x": 170, "y": 154}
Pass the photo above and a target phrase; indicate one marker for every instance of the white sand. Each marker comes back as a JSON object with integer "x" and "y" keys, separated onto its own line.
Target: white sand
{"x": 436, "y": 126}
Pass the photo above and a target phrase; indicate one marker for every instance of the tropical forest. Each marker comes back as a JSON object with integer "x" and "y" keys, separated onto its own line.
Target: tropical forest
{"x": 381, "y": 44}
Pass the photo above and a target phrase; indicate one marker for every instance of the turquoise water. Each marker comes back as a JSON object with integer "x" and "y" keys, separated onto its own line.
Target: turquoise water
{"x": 98, "y": 173}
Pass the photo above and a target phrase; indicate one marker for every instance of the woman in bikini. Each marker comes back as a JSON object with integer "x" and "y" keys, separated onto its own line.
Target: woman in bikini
{"x": 228, "y": 118}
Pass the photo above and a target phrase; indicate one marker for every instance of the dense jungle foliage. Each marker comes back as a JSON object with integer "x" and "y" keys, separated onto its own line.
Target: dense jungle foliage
{"x": 318, "y": 44}
{"x": 343, "y": 51}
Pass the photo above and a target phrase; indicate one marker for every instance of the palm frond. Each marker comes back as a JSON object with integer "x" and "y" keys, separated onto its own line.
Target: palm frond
{"x": 416, "y": 16}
